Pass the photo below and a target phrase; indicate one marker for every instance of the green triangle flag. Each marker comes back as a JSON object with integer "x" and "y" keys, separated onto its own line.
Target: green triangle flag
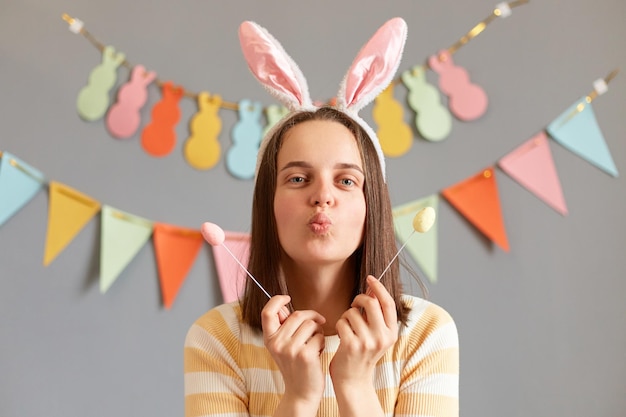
{"x": 123, "y": 235}
{"x": 423, "y": 247}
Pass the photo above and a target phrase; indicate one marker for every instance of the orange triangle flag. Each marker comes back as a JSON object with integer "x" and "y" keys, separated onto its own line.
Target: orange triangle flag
{"x": 477, "y": 199}
{"x": 68, "y": 212}
{"x": 176, "y": 250}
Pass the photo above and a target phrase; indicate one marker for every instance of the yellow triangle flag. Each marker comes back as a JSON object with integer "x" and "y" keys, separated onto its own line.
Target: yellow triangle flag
{"x": 68, "y": 212}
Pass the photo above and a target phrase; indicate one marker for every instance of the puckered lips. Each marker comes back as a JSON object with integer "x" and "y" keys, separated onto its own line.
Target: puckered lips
{"x": 319, "y": 223}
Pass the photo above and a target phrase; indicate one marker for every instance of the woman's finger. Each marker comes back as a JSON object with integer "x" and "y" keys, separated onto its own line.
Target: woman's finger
{"x": 357, "y": 321}
{"x": 271, "y": 316}
{"x": 308, "y": 329}
{"x": 344, "y": 330}
{"x": 370, "y": 310}
{"x": 387, "y": 304}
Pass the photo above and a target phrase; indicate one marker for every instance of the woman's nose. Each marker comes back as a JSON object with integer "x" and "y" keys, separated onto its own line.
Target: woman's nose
{"x": 322, "y": 194}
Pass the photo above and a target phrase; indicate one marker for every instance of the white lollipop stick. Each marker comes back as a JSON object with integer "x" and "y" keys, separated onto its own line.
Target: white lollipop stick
{"x": 422, "y": 222}
{"x": 215, "y": 236}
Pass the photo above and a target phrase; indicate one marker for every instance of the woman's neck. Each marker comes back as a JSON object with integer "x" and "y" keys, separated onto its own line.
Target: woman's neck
{"x": 326, "y": 289}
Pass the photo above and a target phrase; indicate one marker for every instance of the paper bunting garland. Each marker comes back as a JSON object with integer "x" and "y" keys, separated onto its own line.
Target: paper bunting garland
{"x": 231, "y": 277}
{"x": 466, "y": 100}
{"x": 176, "y": 249}
{"x": 19, "y": 182}
{"x": 423, "y": 248}
{"x": 123, "y": 235}
{"x": 477, "y": 199}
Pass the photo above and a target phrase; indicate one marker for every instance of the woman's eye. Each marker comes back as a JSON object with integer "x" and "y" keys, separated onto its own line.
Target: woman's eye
{"x": 296, "y": 180}
{"x": 346, "y": 181}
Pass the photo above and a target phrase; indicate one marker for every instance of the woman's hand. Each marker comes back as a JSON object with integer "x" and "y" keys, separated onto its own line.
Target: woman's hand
{"x": 296, "y": 343}
{"x": 366, "y": 330}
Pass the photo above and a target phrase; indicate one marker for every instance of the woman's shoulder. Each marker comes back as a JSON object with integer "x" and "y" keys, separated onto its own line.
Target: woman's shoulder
{"x": 428, "y": 347}
{"x": 427, "y": 317}
{"x": 220, "y": 320}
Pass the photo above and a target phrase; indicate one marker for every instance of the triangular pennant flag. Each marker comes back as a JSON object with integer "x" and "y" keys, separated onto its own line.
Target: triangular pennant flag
{"x": 477, "y": 199}
{"x": 231, "y": 277}
{"x": 68, "y": 212}
{"x": 19, "y": 182}
{"x": 577, "y": 130}
{"x": 176, "y": 250}
{"x": 122, "y": 236}
{"x": 531, "y": 165}
{"x": 423, "y": 248}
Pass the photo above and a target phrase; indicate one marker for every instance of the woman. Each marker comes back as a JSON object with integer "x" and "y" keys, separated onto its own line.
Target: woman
{"x": 322, "y": 230}
{"x": 322, "y": 222}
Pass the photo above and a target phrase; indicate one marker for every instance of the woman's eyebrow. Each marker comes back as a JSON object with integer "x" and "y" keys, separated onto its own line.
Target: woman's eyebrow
{"x": 304, "y": 164}
{"x": 300, "y": 164}
{"x": 344, "y": 165}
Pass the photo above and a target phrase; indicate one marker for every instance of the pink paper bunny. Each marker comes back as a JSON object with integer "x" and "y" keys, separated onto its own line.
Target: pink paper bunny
{"x": 123, "y": 118}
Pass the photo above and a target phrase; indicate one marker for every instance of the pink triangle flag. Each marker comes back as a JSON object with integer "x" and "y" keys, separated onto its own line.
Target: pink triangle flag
{"x": 231, "y": 277}
{"x": 532, "y": 165}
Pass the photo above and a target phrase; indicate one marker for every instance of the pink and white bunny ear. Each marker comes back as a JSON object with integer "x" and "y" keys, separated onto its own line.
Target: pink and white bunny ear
{"x": 274, "y": 69}
{"x": 374, "y": 67}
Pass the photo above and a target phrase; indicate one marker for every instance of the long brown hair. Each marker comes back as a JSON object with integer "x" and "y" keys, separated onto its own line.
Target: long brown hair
{"x": 371, "y": 258}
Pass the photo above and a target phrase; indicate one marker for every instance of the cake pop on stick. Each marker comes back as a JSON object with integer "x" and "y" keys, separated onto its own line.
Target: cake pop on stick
{"x": 215, "y": 236}
{"x": 422, "y": 222}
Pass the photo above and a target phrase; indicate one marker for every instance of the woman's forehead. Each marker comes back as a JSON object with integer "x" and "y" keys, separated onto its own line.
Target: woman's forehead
{"x": 320, "y": 138}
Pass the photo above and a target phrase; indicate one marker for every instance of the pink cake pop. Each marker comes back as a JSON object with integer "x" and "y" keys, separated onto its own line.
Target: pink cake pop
{"x": 215, "y": 236}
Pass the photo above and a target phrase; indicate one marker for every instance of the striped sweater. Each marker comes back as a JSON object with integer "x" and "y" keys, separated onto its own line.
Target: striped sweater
{"x": 229, "y": 372}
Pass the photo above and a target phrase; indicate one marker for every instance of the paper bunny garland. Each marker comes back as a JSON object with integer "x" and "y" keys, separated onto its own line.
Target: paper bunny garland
{"x": 370, "y": 73}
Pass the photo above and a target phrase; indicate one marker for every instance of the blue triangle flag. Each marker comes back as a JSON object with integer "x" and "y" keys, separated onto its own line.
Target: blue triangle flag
{"x": 19, "y": 182}
{"x": 577, "y": 130}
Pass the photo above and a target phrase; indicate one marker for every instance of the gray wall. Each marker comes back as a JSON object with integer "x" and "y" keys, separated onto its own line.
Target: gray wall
{"x": 542, "y": 328}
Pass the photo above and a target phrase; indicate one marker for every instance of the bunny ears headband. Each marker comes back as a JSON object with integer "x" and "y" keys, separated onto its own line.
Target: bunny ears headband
{"x": 370, "y": 73}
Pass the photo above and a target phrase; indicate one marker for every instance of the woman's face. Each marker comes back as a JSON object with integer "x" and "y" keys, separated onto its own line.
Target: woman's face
{"x": 319, "y": 202}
